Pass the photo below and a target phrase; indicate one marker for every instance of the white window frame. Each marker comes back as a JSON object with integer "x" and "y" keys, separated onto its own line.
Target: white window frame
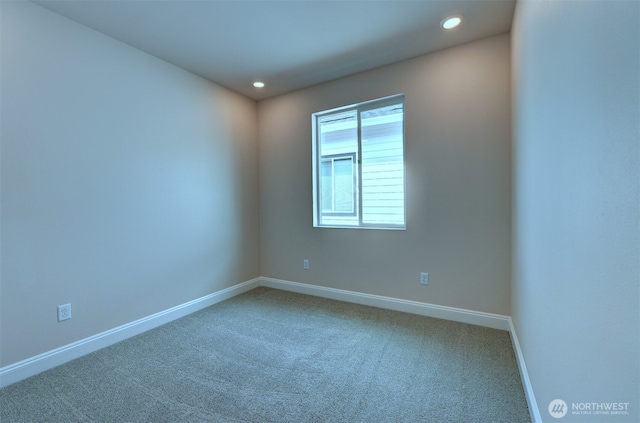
{"x": 316, "y": 166}
{"x": 354, "y": 177}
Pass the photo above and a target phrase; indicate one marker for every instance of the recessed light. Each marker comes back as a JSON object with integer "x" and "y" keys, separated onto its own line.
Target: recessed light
{"x": 258, "y": 84}
{"x": 451, "y": 22}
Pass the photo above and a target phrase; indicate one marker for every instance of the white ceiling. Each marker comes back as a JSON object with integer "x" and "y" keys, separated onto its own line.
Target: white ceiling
{"x": 287, "y": 44}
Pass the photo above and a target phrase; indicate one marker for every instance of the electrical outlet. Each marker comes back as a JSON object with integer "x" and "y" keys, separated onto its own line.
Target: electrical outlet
{"x": 305, "y": 264}
{"x": 64, "y": 312}
{"x": 424, "y": 278}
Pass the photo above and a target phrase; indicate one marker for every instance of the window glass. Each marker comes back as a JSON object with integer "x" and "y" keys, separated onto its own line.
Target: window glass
{"x": 359, "y": 165}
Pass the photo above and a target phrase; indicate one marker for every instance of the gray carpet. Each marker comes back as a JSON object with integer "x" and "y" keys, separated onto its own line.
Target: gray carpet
{"x": 275, "y": 356}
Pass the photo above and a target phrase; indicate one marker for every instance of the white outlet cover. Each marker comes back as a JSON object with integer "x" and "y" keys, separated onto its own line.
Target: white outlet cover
{"x": 424, "y": 278}
{"x": 64, "y": 312}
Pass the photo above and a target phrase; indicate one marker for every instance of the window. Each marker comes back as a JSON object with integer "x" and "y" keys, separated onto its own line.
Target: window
{"x": 358, "y": 165}
{"x": 338, "y": 181}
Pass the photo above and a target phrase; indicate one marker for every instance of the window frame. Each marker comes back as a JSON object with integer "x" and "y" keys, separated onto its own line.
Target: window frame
{"x": 354, "y": 182}
{"x": 359, "y": 108}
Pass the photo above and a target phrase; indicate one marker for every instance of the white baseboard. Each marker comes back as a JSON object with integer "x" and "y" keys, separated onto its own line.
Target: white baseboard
{"x": 50, "y": 359}
{"x": 495, "y": 321}
{"x": 534, "y": 412}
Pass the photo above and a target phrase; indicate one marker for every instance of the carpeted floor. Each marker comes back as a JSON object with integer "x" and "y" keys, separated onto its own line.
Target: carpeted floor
{"x": 275, "y": 356}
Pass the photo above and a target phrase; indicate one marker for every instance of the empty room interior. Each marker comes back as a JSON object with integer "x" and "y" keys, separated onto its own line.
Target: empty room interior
{"x": 145, "y": 181}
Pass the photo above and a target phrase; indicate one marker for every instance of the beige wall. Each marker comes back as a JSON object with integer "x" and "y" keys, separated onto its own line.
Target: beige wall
{"x": 128, "y": 186}
{"x": 576, "y": 203}
{"x": 457, "y": 122}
